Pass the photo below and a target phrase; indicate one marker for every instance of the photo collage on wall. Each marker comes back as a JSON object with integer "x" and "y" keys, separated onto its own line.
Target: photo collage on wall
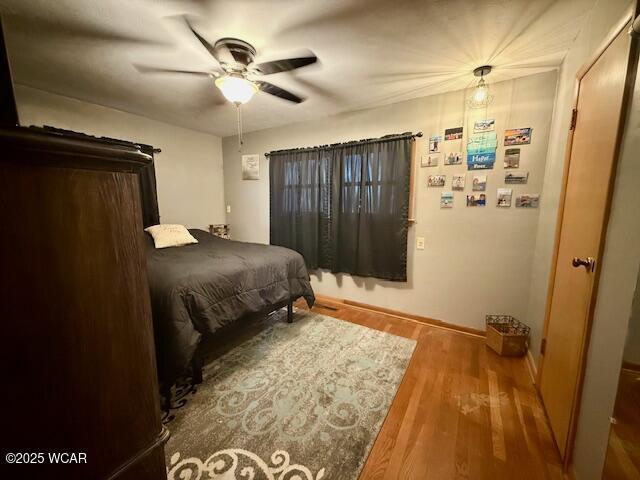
{"x": 447, "y": 151}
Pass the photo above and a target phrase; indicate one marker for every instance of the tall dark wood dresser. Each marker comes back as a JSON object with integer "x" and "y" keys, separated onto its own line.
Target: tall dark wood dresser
{"x": 76, "y": 345}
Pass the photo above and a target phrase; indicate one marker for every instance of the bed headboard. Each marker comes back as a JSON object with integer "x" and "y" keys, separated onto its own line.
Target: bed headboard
{"x": 149, "y": 191}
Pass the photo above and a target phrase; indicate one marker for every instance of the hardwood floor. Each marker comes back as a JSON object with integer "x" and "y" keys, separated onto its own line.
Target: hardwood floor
{"x": 461, "y": 411}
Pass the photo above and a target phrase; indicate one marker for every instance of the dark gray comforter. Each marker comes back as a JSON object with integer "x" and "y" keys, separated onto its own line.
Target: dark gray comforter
{"x": 197, "y": 289}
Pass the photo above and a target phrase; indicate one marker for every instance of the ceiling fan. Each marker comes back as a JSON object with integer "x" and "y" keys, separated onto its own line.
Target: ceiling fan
{"x": 237, "y": 75}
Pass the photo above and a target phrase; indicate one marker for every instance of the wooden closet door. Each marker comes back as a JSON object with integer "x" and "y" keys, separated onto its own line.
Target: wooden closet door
{"x": 583, "y": 224}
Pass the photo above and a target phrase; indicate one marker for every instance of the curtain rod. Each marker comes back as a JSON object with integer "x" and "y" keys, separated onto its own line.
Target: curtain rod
{"x": 386, "y": 138}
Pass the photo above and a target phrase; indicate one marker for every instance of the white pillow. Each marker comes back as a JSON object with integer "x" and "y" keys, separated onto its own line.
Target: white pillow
{"x": 169, "y": 235}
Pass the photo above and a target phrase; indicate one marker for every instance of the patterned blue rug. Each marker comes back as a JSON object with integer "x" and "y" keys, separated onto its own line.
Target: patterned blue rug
{"x": 303, "y": 400}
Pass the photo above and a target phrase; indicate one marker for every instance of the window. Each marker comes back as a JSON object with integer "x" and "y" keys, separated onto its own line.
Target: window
{"x": 344, "y": 207}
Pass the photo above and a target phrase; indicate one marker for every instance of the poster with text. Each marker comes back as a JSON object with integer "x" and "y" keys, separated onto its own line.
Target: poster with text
{"x": 481, "y": 151}
{"x": 481, "y": 161}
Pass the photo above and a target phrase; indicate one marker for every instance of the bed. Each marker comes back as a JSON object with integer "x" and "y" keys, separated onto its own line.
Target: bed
{"x": 200, "y": 288}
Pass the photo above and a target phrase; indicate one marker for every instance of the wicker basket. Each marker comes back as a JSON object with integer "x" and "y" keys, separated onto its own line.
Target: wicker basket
{"x": 506, "y": 335}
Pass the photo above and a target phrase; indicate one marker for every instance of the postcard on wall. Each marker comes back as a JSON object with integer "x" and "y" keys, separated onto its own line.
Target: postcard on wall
{"x": 453, "y": 158}
{"x": 516, "y": 177}
{"x": 484, "y": 126}
{"x": 250, "y": 167}
{"x": 504, "y": 197}
{"x": 434, "y": 143}
{"x": 512, "y": 158}
{"x": 481, "y": 161}
{"x": 476, "y": 200}
{"x": 528, "y": 200}
{"x": 482, "y": 141}
{"x": 446, "y": 200}
{"x": 479, "y": 183}
{"x": 453, "y": 133}
{"x": 517, "y": 136}
{"x": 436, "y": 180}
{"x": 458, "y": 181}
{"x": 429, "y": 160}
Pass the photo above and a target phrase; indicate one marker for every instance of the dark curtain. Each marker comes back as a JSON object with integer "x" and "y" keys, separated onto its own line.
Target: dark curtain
{"x": 148, "y": 191}
{"x": 299, "y": 192}
{"x": 344, "y": 207}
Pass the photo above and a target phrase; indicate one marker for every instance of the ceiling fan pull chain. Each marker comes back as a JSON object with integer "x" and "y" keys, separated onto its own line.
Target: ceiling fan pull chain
{"x": 240, "y": 140}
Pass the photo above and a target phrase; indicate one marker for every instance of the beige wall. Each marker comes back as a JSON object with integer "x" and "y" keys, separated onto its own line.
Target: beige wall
{"x": 188, "y": 171}
{"x": 632, "y": 342}
{"x": 476, "y": 260}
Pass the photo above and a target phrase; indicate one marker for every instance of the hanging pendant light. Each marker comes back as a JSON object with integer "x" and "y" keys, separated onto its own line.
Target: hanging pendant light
{"x": 481, "y": 96}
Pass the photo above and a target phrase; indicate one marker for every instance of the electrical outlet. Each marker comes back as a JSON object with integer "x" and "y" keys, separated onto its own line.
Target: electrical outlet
{"x": 228, "y": 208}
{"x": 420, "y": 243}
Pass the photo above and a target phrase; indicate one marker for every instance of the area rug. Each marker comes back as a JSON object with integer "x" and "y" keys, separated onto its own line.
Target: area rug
{"x": 298, "y": 401}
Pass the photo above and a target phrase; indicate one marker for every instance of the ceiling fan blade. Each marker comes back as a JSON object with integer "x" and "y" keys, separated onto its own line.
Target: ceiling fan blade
{"x": 222, "y": 55}
{"x": 149, "y": 69}
{"x": 276, "y": 66}
{"x": 271, "y": 89}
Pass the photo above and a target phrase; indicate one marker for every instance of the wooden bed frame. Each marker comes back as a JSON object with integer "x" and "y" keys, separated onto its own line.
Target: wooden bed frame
{"x": 198, "y": 360}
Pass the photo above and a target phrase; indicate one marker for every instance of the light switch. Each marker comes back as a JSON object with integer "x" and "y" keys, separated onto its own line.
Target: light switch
{"x": 420, "y": 243}
{"x": 228, "y": 208}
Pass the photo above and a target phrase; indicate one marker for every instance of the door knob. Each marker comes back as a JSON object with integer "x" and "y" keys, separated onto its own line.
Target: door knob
{"x": 588, "y": 263}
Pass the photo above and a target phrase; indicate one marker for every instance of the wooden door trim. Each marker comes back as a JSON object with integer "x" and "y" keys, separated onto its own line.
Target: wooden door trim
{"x": 627, "y": 18}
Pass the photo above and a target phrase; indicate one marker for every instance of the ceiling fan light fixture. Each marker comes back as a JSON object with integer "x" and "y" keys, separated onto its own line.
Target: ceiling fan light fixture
{"x": 236, "y": 89}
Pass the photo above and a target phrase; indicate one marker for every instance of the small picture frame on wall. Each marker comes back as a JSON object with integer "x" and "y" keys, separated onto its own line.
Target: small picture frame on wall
{"x": 479, "y": 183}
{"x": 516, "y": 177}
{"x": 504, "y": 197}
{"x": 251, "y": 167}
{"x": 453, "y": 133}
{"x": 436, "y": 180}
{"x": 453, "y": 158}
{"x": 429, "y": 160}
{"x": 458, "y": 181}
{"x": 512, "y": 158}
{"x": 434, "y": 143}
{"x": 517, "y": 136}
{"x": 446, "y": 200}
{"x": 482, "y": 126}
{"x": 476, "y": 200}
{"x": 528, "y": 200}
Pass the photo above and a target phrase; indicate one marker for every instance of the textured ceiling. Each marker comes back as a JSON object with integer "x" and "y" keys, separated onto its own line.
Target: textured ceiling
{"x": 372, "y": 52}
